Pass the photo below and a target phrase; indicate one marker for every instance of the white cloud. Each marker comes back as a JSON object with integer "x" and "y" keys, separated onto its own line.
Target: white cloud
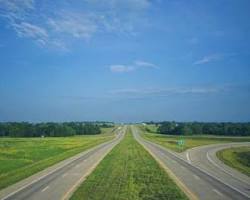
{"x": 165, "y": 92}
{"x": 215, "y": 57}
{"x": 25, "y": 29}
{"x": 121, "y": 4}
{"x": 64, "y": 25}
{"x": 16, "y": 9}
{"x": 16, "y": 5}
{"x": 209, "y": 58}
{"x": 35, "y": 32}
{"x": 121, "y": 68}
{"x": 141, "y": 63}
{"x": 119, "y": 16}
{"x": 76, "y": 25}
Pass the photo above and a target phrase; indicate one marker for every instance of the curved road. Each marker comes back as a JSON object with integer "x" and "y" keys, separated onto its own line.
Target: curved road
{"x": 196, "y": 177}
{"x": 59, "y": 181}
{"x": 205, "y": 158}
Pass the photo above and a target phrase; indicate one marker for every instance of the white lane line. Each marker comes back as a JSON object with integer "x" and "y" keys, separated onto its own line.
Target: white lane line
{"x": 217, "y": 192}
{"x": 221, "y": 168}
{"x": 196, "y": 177}
{"x": 64, "y": 175}
{"x": 188, "y": 159}
{"x": 200, "y": 169}
{"x": 54, "y": 170}
{"x": 214, "y": 163}
{"x": 36, "y": 180}
{"x": 44, "y": 189}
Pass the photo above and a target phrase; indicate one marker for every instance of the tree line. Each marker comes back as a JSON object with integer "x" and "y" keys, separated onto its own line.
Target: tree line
{"x": 207, "y": 128}
{"x": 25, "y": 129}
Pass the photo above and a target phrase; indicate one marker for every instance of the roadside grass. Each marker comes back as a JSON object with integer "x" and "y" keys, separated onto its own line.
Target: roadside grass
{"x": 22, "y": 157}
{"x": 107, "y": 131}
{"x": 171, "y": 142}
{"x": 238, "y": 158}
{"x": 151, "y": 128}
{"x": 128, "y": 172}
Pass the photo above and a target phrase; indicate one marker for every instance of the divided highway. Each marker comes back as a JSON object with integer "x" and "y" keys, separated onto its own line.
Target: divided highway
{"x": 59, "y": 181}
{"x": 197, "y": 171}
{"x": 198, "y": 179}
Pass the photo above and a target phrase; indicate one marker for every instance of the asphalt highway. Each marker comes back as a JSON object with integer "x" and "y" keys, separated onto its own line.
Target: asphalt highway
{"x": 197, "y": 179}
{"x": 205, "y": 158}
{"x": 60, "y": 182}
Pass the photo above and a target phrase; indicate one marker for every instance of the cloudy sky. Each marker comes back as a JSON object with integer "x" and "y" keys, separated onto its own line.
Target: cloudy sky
{"x": 124, "y": 60}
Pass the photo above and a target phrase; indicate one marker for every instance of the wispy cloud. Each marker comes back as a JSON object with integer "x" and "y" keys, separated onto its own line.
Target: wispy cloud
{"x": 138, "y": 64}
{"x": 75, "y": 25}
{"x": 214, "y": 57}
{"x": 67, "y": 24}
{"x": 17, "y": 6}
{"x": 129, "y": 5}
{"x": 28, "y": 30}
{"x": 164, "y": 92}
{"x": 167, "y": 92}
{"x": 121, "y": 68}
{"x": 209, "y": 58}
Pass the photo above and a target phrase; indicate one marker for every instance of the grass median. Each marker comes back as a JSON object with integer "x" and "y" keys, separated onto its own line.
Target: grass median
{"x": 23, "y": 157}
{"x": 238, "y": 158}
{"x": 128, "y": 172}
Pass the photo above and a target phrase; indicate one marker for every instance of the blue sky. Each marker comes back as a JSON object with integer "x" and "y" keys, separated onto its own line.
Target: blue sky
{"x": 124, "y": 60}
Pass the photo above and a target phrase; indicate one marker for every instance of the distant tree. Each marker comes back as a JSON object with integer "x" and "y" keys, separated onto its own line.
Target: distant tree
{"x": 183, "y": 129}
{"x": 167, "y": 128}
{"x": 194, "y": 128}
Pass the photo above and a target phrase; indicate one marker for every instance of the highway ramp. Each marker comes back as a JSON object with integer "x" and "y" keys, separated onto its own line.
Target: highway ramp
{"x": 60, "y": 181}
{"x": 195, "y": 180}
{"x": 205, "y": 158}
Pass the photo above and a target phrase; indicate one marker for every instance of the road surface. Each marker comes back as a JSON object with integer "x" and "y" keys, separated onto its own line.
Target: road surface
{"x": 205, "y": 158}
{"x": 199, "y": 181}
{"x": 60, "y": 181}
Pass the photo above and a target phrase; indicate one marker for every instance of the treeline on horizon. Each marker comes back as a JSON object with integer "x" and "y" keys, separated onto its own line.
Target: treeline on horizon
{"x": 200, "y": 128}
{"x": 51, "y": 129}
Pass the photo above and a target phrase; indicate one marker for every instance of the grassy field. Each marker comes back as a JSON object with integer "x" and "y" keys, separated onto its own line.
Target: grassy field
{"x": 151, "y": 128}
{"x": 128, "y": 172}
{"x": 22, "y": 157}
{"x": 238, "y": 158}
{"x": 189, "y": 141}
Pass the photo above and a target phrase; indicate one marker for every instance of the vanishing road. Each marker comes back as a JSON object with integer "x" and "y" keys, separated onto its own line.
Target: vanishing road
{"x": 59, "y": 181}
{"x": 197, "y": 171}
{"x": 200, "y": 172}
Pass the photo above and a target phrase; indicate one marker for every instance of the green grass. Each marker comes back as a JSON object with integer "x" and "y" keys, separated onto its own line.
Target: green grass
{"x": 128, "y": 172}
{"x": 22, "y": 157}
{"x": 238, "y": 158}
{"x": 150, "y": 128}
{"x": 189, "y": 141}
